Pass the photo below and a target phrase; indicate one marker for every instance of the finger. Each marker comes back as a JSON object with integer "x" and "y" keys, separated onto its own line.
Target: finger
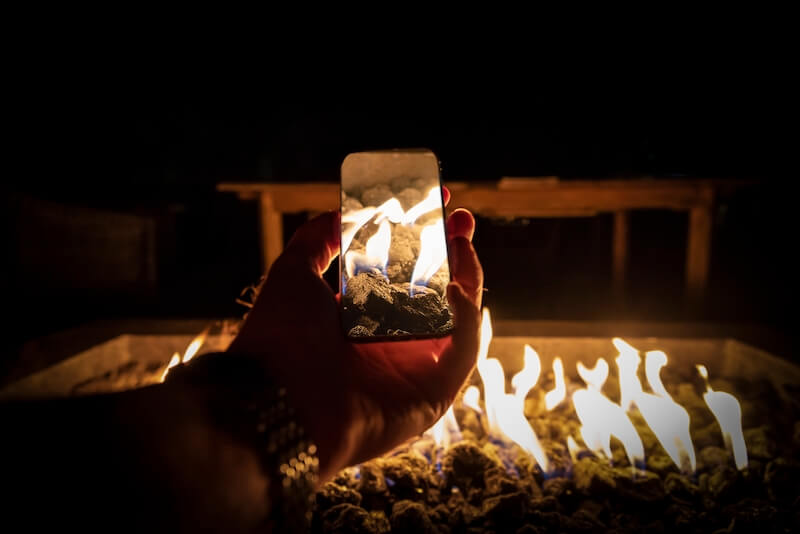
{"x": 457, "y": 362}
{"x": 465, "y": 268}
{"x": 445, "y": 195}
{"x": 461, "y": 223}
{"x": 314, "y": 245}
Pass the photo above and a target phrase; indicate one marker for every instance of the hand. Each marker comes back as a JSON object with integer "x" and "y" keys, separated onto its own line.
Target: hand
{"x": 359, "y": 400}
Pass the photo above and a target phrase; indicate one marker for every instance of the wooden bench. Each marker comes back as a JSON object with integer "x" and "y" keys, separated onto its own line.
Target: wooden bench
{"x": 525, "y": 197}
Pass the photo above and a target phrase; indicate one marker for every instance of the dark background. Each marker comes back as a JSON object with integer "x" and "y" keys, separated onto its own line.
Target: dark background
{"x": 148, "y": 147}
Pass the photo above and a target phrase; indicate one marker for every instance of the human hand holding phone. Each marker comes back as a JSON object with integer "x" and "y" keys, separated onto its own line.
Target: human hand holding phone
{"x": 358, "y": 400}
{"x": 394, "y": 265}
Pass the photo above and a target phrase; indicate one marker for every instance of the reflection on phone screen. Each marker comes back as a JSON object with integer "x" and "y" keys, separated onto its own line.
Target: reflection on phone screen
{"x": 394, "y": 267}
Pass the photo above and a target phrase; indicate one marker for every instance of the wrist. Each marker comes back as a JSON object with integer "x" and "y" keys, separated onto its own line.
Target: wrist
{"x": 244, "y": 403}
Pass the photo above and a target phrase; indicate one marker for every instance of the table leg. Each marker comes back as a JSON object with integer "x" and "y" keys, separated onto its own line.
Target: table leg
{"x": 271, "y": 231}
{"x": 698, "y": 251}
{"x": 620, "y": 249}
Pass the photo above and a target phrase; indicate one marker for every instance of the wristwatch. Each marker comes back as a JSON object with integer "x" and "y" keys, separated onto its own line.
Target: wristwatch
{"x": 245, "y": 402}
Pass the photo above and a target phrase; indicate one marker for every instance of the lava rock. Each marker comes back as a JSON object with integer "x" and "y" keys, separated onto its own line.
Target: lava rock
{"x": 557, "y": 486}
{"x": 347, "y": 518}
{"x": 679, "y": 487}
{"x": 781, "y": 477}
{"x": 643, "y": 487}
{"x": 350, "y": 203}
{"x": 759, "y": 444}
{"x": 505, "y": 510}
{"x": 721, "y": 482}
{"x": 372, "y": 480}
{"x": 409, "y": 197}
{"x": 368, "y": 292}
{"x": 376, "y": 195}
{"x": 332, "y": 494}
{"x": 465, "y": 465}
{"x": 593, "y": 477}
{"x": 750, "y": 515}
{"x": 498, "y": 483}
{"x": 711, "y": 457}
{"x": 410, "y": 517}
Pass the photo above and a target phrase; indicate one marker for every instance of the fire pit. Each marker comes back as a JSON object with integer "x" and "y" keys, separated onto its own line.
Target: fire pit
{"x": 554, "y": 434}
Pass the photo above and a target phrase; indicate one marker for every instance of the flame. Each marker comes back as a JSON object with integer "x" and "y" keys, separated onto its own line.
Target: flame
{"x": 666, "y": 418}
{"x": 728, "y": 412}
{"x": 432, "y": 254}
{"x": 504, "y": 411}
{"x": 175, "y": 360}
{"x": 595, "y": 377}
{"x": 553, "y": 398}
{"x": 194, "y": 346}
{"x": 357, "y": 219}
{"x": 600, "y": 419}
{"x": 432, "y": 201}
{"x": 471, "y": 397}
{"x": 627, "y": 363}
{"x": 524, "y": 381}
{"x": 376, "y": 254}
{"x": 573, "y": 448}
{"x": 445, "y": 431}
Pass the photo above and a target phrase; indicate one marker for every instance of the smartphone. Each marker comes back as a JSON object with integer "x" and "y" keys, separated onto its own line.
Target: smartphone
{"x": 393, "y": 266}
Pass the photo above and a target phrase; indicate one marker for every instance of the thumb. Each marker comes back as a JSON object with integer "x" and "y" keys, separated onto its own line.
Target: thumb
{"x": 457, "y": 361}
{"x": 313, "y": 246}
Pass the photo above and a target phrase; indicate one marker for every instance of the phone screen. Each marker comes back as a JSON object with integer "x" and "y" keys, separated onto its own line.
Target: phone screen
{"x": 393, "y": 264}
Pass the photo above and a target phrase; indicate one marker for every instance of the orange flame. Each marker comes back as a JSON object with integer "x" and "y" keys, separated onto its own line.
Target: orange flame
{"x": 194, "y": 346}
{"x": 728, "y": 412}
{"x": 446, "y": 430}
{"x": 523, "y": 381}
{"x": 553, "y": 398}
{"x": 376, "y": 254}
{"x": 504, "y": 412}
{"x": 600, "y": 418}
{"x": 175, "y": 360}
{"x": 573, "y": 448}
{"x": 432, "y": 254}
{"x": 432, "y": 201}
{"x": 667, "y": 419}
{"x": 471, "y": 398}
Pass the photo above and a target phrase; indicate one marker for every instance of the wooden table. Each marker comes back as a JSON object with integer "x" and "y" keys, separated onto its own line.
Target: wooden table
{"x": 524, "y": 197}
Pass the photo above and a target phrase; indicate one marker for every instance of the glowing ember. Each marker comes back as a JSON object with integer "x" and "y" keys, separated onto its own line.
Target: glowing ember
{"x": 471, "y": 398}
{"x": 432, "y": 254}
{"x": 728, "y": 413}
{"x": 554, "y": 398}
